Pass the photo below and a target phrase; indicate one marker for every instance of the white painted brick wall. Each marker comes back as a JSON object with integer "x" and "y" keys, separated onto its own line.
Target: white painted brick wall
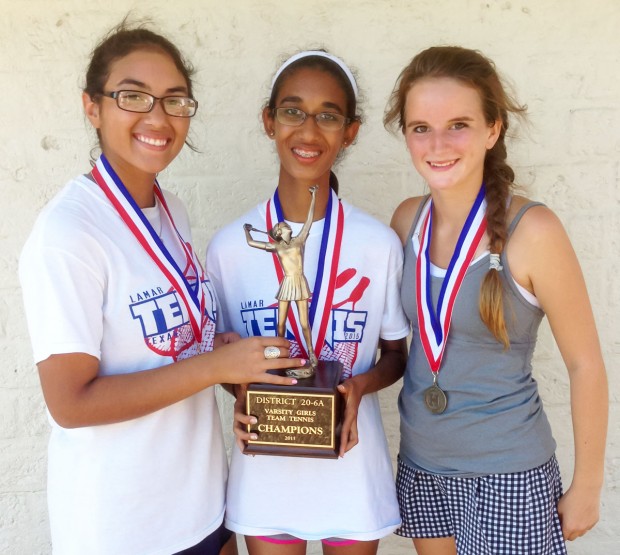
{"x": 562, "y": 56}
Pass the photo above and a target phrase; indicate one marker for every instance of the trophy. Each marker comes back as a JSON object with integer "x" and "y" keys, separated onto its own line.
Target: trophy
{"x": 303, "y": 419}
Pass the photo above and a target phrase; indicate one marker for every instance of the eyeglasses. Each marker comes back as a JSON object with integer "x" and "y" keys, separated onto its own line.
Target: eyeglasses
{"x": 328, "y": 121}
{"x": 141, "y": 102}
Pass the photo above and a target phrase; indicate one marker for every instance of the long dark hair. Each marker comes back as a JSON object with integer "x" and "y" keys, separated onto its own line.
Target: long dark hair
{"x": 123, "y": 40}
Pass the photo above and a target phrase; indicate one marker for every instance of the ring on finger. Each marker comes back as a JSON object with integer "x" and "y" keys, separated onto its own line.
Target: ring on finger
{"x": 271, "y": 352}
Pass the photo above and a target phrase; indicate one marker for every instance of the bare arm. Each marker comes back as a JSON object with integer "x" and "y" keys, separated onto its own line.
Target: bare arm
{"x": 389, "y": 369}
{"x": 221, "y": 339}
{"x": 77, "y": 395}
{"x": 546, "y": 264}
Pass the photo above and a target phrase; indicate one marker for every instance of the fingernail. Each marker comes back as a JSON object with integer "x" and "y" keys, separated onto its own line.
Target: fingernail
{"x": 294, "y": 381}
{"x": 254, "y": 437}
{"x": 303, "y": 361}
{"x": 253, "y": 421}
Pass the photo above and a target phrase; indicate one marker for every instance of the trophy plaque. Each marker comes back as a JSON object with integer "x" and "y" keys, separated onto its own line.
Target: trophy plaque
{"x": 302, "y": 420}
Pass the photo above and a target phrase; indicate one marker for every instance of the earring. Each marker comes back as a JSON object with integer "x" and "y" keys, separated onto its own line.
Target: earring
{"x": 272, "y": 133}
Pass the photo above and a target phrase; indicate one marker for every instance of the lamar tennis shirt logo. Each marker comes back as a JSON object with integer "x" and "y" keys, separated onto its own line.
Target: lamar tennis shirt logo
{"x": 165, "y": 324}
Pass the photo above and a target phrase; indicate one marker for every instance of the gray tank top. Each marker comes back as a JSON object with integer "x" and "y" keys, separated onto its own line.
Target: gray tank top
{"x": 494, "y": 421}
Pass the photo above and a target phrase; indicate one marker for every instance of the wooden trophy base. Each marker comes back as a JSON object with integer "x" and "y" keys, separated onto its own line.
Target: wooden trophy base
{"x": 302, "y": 420}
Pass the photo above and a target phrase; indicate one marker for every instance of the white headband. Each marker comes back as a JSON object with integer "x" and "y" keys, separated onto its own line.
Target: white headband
{"x": 320, "y": 53}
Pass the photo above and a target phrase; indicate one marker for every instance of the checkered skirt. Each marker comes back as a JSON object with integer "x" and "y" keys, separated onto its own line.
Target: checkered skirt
{"x": 498, "y": 514}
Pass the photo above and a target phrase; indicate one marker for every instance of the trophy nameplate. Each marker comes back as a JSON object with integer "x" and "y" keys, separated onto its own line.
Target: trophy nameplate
{"x": 302, "y": 420}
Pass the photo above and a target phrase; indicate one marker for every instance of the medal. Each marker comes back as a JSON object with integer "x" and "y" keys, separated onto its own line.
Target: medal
{"x": 434, "y": 323}
{"x": 435, "y": 398}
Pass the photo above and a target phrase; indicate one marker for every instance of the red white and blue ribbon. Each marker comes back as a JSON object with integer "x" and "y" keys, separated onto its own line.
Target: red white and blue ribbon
{"x": 327, "y": 270}
{"x": 434, "y": 323}
{"x": 192, "y": 294}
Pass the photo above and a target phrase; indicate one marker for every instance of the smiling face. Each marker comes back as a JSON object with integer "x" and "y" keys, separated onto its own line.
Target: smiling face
{"x": 447, "y": 134}
{"x": 139, "y": 145}
{"x": 307, "y": 153}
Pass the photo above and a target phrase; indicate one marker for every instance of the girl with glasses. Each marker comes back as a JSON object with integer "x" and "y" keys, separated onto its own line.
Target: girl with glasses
{"x": 122, "y": 321}
{"x": 349, "y": 503}
{"x": 477, "y": 471}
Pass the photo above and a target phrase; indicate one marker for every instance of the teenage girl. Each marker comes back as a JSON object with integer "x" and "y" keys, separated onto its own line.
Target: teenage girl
{"x": 122, "y": 321}
{"x": 477, "y": 471}
{"x": 353, "y": 267}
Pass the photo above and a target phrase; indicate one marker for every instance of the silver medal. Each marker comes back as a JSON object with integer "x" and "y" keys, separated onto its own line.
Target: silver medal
{"x": 434, "y": 398}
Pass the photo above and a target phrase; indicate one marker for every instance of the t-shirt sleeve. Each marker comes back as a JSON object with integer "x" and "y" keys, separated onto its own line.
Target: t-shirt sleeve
{"x": 63, "y": 299}
{"x": 394, "y": 324}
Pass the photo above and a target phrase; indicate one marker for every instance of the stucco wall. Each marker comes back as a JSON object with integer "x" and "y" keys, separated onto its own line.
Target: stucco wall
{"x": 562, "y": 56}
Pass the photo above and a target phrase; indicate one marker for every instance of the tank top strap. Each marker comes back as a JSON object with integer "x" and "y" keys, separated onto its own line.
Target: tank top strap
{"x": 513, "y": 224}
{"x": 414, "y": 223}
{"x": 519, "y": 215}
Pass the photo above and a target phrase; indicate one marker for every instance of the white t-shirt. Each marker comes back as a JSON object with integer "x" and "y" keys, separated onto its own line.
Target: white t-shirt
{"x": 353, "y": 497}
{"x": 153, "y": 485}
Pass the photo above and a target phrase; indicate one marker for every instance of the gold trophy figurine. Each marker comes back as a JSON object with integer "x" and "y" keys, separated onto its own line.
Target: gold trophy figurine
{"x": 294, "y": 285}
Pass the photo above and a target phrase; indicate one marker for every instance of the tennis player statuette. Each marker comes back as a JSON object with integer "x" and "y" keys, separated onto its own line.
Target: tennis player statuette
{"x": 304, "y": 419}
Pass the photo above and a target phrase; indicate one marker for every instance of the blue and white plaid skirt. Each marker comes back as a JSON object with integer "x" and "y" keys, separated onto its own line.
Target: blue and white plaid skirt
{"x": 498, "y": 514}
